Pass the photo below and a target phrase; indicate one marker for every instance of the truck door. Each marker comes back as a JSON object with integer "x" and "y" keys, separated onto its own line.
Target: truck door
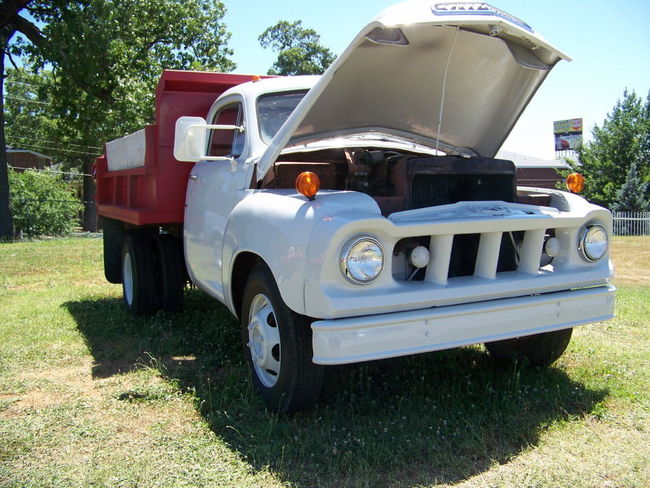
{"x": 211, "y": 196}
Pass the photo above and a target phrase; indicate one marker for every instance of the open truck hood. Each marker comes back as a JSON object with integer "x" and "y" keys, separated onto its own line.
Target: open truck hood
{"x": 452, "y": 76}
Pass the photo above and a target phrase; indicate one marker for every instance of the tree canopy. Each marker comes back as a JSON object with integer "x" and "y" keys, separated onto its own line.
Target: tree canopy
{"x": 100, "y": 61}
{"x": 31, "y": 121}
{"x": 632, "y": 197}
{"x": 299, "y": 49}
{"x": 620, "y": 144}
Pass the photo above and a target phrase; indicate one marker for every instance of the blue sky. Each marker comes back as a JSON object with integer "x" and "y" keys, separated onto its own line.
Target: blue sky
{"x": 608, "y": 41}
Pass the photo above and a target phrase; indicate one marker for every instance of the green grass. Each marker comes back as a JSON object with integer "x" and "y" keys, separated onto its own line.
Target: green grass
{"x": 91, "y": 396}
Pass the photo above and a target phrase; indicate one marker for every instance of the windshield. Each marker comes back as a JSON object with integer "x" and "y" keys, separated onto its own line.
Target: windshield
{"x": 274, "y": 109}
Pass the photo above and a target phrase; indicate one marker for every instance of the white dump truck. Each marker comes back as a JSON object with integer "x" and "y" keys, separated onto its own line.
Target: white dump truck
{"x": 359, "y": 215}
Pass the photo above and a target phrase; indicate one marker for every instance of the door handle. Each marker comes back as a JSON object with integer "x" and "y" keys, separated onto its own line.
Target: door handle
{"x": 194, "y": 177}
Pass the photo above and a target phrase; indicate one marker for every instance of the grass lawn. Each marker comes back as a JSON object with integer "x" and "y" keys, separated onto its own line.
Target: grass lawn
{"x": 90, "y": 396}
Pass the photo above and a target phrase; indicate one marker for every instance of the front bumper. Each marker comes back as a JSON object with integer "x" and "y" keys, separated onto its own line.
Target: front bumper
{"x": 357, "y": 339}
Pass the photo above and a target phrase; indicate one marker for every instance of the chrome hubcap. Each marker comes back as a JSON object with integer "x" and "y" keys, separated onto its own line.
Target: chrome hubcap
{"x": 264, "y": 340}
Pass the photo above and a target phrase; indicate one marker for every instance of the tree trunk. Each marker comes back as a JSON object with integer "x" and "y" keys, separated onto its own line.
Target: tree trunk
{"x": 90, "y": 208}
{"x": 6, "y": 219}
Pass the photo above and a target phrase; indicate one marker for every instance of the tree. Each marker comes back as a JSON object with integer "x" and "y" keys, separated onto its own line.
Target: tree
{"x": 623, "y": 140}
{"x": 633, "y": 195}
{"x": 299, "y": 49}
{"x": 105, "y": 57}
{"x": 30, "y": 120}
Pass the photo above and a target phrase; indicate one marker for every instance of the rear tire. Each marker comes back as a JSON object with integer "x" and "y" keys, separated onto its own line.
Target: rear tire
{"x": 113, "y": 240}
{"x": 171, "y": 266}
{"x": 138, "y": 275}
{"x": 278, "y": 347}
{"x": 538, "y": 350}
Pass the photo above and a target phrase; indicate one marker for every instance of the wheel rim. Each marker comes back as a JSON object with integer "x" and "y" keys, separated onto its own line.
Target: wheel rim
{"x": 264, "y": 340}
{"x": 127, "y": 279}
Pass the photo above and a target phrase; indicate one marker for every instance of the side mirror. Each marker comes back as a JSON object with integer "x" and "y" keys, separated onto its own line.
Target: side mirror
{"x": 191, "y": 137}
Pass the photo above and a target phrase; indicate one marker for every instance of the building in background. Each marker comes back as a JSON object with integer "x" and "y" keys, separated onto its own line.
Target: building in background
{"x": 537, "y": 172}
{"x": 22, "y": 159}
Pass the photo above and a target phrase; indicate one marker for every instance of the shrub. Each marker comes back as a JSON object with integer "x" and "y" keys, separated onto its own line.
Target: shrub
{"x": 42, "y": 203}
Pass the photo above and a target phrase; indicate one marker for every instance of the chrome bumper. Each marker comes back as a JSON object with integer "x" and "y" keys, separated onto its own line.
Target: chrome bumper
{"x": 357, "y": 339}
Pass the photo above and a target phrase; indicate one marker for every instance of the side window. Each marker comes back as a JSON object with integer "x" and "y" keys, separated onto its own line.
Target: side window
{"x": 227, "y": 142}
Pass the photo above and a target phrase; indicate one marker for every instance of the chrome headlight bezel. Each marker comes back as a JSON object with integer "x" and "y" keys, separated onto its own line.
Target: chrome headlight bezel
{"x": 588, "y": 249}
{"x": 349, "y": 248}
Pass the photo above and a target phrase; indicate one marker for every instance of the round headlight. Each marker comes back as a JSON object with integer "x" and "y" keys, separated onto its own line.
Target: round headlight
{"x": 362, "y": 260}
{"x": 593, "y": 242}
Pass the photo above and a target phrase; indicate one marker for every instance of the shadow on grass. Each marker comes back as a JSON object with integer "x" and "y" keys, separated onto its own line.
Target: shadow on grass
{"x": 433, "y": 418}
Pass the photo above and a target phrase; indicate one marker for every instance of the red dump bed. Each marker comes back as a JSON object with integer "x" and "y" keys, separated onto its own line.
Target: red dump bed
{"x": 153, "y": 192}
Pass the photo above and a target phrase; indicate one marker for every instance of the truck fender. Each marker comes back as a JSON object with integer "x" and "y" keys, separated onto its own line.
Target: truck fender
{"x": 276, "y": 226}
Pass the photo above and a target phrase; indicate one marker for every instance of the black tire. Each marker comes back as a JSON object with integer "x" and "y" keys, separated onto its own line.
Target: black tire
{"x": 171, "y": 266}
{"x": 537, "y": 350}
{"x": 113, "y": 237}
{"x": 139, "y": 284}
{"x": 282, "y": 372}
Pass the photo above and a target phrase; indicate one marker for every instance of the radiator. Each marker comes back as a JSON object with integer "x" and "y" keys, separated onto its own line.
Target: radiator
{"x": 451, "y": 179}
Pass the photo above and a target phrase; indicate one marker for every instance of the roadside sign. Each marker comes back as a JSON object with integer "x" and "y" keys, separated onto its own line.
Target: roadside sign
{"x": 568, "y": 134}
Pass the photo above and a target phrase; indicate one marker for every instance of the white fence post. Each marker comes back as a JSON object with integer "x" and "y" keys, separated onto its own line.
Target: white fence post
{"x": 631, "y": 223}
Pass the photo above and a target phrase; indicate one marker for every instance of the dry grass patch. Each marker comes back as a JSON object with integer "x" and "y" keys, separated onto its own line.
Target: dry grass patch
{"x": 631, "y": 257}
{"x": 35, "y": 400}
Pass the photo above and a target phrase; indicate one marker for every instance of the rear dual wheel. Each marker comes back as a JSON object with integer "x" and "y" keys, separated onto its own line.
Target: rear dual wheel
{"x": 138, "y": 275}
{"x": 171, "y": 271}
{"x": 153, "y": 274}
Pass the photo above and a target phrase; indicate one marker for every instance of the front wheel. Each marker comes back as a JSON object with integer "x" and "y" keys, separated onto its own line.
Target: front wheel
{"x": 278, "y": 348}
{"x": 538, "y": 350}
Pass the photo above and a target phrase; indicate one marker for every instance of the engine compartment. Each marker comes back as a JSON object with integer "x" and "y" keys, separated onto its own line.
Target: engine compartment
{"x": 399, "y": 180}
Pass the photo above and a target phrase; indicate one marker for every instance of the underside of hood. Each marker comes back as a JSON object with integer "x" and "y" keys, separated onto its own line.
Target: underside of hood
{"x": 451, "y": 77}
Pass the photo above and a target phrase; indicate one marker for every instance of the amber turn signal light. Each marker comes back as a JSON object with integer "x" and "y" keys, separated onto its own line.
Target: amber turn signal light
{"x": 308, "y": 184}
{"x": 575, "y": 182}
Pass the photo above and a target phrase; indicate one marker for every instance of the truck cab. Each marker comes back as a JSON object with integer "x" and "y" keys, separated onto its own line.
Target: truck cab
{"x": 360, "y": 215}
{"x": 258, "y": 109}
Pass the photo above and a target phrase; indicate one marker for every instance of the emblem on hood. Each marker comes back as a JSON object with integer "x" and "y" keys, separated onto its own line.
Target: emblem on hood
{"x": 477, "y": 8}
